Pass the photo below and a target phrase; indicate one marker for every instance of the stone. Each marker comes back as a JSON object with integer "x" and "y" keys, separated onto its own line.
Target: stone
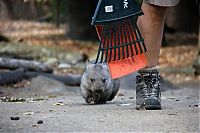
{"x": 40, "y": 122}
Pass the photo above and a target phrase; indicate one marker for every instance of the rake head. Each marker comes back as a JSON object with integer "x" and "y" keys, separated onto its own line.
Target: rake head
{"x": 120, "y": 38}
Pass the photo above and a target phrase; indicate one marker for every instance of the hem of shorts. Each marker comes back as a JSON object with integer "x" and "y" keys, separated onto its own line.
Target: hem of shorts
{"x": 164, "y": 5}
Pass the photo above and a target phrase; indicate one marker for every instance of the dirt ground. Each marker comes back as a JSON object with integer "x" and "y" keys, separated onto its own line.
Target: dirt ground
{"x": 69, "y": 113}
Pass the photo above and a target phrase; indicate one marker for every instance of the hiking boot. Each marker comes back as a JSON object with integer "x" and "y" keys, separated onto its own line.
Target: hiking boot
{"x": 148, "y": 89}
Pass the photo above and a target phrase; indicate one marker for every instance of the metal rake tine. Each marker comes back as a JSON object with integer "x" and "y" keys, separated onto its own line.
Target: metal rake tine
{"x": 106, "y": 43}
{"x": 97, "y": 58}
{"x": 118, "y": 46}
{"x": 132, "y": 34}
{"x": 136, "y": 34}
{"x": 103, "y": 44}
{"x": 122, "y": 36}
{"x": 106, "y": 48}
{"x": 110, "y": 42}
{"x": 145, "y": 49}
{"x": 115, "y": 40}
{"x": 99, "y": 49}
{"x": 128, "y": 38}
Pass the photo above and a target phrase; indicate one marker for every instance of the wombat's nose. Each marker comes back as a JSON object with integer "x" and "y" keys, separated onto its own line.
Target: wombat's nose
{"x": 99, "y": 90}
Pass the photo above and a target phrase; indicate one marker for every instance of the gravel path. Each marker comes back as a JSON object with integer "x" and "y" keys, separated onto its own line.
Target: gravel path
{"x": 180, "y": 113}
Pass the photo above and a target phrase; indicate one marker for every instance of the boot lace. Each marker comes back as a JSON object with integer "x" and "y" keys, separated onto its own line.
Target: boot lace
{"x": 151, "y": 86}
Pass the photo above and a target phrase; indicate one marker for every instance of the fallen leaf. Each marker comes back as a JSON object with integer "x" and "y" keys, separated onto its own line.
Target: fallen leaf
{"x": 31, "y": 101}
{"x": 12, "y": 99}
{"x": 34, "y": 125}
{"x": 120, "y": 94}
{"x": 124, "y": 104}
{"x": 131, "y": 97}
{"x": 196, "y": 105}
{"x": 52, "y": 96}
{"x": 59, "y": 104}
{"x": 28, "y": 113}
{"x": 171, "y": 98}
{"x": 122, "y": 98}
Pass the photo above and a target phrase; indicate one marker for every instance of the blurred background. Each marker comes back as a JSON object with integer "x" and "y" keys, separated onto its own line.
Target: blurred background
{"x": 54, "y": 38}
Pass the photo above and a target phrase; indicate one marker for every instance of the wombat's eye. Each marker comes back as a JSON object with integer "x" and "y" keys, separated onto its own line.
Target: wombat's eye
{"x": 92, "y": 80}
{"x": 103, "y": 80}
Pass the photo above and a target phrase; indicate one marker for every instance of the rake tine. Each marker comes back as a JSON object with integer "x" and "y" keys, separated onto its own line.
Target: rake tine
{"x": 106, "y": 45}
{"x": 128, "y": 38}
{"x": 99, "y": 49}
{"x": 132, "y": 34}
{"x": 103, "y": 44}
{"x": 118, "y": 29}
{"x": 145, "y": 49}
{"x": 110, "y": 43}
{"x": 136, "y": 34}
{"x": 97, "y": 58}
{"x": 107, "y": 42}
{"x": 122, "y": 37}
{"x": 115, "y": 40}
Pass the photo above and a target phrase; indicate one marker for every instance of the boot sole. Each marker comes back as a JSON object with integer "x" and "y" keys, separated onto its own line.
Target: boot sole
{"x": 149, "y": 107}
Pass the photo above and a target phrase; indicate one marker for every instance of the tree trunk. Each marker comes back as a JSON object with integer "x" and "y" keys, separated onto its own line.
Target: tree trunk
{"x": 196, "y": 63}
{"x": 58, "y": 5}
{"x": 184, "y": 17}
{"x": 79, "y": 15}
{"x": 19, "y": 9}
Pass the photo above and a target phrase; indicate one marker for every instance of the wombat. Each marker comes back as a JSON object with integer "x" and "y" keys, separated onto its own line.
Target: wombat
{"x": 97, "y": 85}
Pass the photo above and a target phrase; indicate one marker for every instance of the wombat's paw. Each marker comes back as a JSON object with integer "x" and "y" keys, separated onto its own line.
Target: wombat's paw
{"x": 89, "y": 99}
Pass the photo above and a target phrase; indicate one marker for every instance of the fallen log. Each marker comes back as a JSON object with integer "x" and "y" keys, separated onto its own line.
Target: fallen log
{"x": 14, "y": 56}
{"x": 20, "y": 74}
{"x": 12, "y": 76}
{"x": 7, "y": 63}
{"x": 4, "y": 39}
{"x": 72, "y": 80}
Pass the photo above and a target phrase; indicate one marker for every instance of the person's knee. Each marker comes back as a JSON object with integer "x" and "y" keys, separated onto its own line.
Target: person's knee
{"x": 158, "y": 11}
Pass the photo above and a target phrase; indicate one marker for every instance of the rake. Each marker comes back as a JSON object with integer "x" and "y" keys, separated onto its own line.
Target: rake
{"x": 121, "y": 44}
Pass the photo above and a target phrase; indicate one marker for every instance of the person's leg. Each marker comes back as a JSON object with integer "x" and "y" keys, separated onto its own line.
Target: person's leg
{"x": 151, "y": 27}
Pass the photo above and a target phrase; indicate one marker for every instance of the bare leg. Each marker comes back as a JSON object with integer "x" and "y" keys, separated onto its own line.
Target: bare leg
{"x": 151, "y": 26}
